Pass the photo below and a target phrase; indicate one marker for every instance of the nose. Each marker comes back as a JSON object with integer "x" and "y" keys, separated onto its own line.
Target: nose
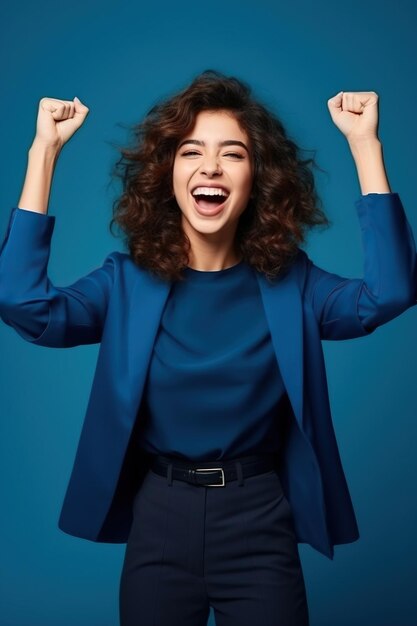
{"x": 210, "y": 166}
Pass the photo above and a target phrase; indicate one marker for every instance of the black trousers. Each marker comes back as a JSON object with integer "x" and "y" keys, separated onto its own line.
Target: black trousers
{"x": 192, "y": 547}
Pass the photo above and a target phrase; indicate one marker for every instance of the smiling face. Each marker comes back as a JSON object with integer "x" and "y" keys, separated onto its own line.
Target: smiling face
{"x": 213, "y": 159}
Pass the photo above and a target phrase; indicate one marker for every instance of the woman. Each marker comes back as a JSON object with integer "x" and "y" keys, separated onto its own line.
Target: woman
{"x": 208, "y": 444}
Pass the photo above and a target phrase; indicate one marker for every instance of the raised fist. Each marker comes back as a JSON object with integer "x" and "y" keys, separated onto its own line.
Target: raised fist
{"x": 58, "y": 120}
{"x": 355, "y": 113}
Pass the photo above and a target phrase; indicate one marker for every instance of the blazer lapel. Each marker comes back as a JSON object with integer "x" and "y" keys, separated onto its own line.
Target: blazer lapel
{"x": 147, "y": 302}
{"x": 283, "y": 309}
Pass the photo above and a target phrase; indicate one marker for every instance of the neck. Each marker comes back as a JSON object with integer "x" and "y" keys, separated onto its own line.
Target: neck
{"x": 213, "y": 266}
{"x": 213, "y": 260}
{"x": 211, "y": 252}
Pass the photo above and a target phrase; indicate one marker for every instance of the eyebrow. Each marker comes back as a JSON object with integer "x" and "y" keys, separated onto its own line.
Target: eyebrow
{"x": 228, "y": 142}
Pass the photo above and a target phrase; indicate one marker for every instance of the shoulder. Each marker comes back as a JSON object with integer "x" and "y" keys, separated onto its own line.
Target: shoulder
{"x": 126, "y": 270}
{"x": 300, "y": 266}
{"x": 121, "y": 260}
{"x": 305, "y": 273}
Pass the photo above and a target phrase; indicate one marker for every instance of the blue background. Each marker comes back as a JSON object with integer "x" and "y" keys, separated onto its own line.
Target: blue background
{"x": 119, "y": 58}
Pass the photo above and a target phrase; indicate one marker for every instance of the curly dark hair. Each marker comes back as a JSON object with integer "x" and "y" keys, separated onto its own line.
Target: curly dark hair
{"x": 284, "y": 202}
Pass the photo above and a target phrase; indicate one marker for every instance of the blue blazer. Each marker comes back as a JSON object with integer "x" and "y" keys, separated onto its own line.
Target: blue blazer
{"x": 119, "y": 305}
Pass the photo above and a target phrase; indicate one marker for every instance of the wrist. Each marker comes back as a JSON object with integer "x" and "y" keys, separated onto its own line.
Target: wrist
{"x": 369, "y": 162}
{"x": 364, "y": 145}
{"x": 42, "y": 149}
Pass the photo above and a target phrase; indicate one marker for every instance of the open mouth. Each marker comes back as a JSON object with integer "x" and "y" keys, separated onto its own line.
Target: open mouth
{"x": 208, "y": 201}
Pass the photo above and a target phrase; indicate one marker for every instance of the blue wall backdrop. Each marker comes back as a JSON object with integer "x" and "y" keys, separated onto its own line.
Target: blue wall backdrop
{"x": 119, "y": 58}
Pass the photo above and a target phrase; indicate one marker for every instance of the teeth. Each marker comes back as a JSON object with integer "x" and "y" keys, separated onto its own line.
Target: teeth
{"x": 210, "y": 191}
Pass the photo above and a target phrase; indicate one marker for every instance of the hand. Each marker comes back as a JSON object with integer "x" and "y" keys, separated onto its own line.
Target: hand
{"x": 355, "y": 113}
{"x": 58, "y": 120}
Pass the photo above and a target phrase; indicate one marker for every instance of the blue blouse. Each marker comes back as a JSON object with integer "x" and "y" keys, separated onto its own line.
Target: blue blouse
{"x": 213, "y": 385}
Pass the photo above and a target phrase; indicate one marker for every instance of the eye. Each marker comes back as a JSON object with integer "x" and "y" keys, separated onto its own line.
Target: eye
{"x": 235, "y": 155}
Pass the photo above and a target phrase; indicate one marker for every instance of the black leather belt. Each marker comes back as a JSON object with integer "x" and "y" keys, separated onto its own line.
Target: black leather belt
{"x": 213, "y": 473}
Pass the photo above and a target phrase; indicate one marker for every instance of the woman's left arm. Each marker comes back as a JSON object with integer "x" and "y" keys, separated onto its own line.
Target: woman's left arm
{"x": 344, "y": 307}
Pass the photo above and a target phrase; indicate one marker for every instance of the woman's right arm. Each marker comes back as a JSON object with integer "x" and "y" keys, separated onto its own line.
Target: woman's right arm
{"x": 38, "y": 310}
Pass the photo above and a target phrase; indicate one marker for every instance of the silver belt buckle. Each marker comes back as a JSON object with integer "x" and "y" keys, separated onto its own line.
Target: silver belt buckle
{"x": 211, "y": 469}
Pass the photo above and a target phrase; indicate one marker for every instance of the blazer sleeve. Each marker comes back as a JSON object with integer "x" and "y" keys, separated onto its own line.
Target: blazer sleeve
{"x": 352, "y": 307}
{"x": 39, "y": 311}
